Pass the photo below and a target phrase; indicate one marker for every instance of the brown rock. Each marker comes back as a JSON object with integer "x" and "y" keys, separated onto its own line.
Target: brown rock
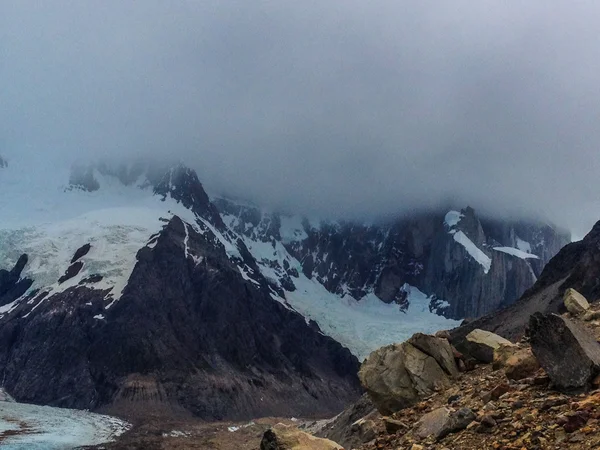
{"x": 521, "y": 364}
{"x": 575, "y": 421}
{"x": 500, "y": 390}
{"x": 488, "y": 421}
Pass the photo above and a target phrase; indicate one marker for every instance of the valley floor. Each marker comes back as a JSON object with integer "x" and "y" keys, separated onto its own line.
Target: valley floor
{"x": 194, "y": 435}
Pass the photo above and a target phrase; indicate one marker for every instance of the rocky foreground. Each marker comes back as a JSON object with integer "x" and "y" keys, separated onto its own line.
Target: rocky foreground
{"x": 484, "y": 393}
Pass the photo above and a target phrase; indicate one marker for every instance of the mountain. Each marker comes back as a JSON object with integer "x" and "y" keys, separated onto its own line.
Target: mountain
{"x": 467, "y": 266}
{"x": 576, "y": 266}
{"x": 125, "y": 287}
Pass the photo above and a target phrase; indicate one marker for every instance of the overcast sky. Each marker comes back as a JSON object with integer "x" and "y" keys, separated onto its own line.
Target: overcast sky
{"x": 353, "y": 108}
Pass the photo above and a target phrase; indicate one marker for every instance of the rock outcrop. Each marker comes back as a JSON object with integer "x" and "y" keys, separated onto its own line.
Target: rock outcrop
{"x": 569, "y": 355}
{"x": 12, "y": 284}
{"x": 481, "y": 344}
{"x": 422, "y": 251}
{"x": 576, "y": 266}
{"x": 575, "y": 303}
{"x": 443, "y": 421}
{"x": 399, "y": 375}
{"x": 283, "y": 437}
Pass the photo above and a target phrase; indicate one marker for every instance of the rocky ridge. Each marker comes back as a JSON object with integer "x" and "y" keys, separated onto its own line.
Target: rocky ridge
{"x": 468, "y": 265}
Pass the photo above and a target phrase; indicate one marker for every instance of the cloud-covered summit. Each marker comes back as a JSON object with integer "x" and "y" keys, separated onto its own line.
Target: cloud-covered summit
{"x": 337, "y": 108}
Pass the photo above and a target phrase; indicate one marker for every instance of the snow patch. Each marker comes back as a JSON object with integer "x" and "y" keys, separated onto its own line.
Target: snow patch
{"x": 516, "y": 252}
{"x": 484, "y": 260}
{"x": 523, "y": 245}
{"x": 292, "y": 229}
{"x": 452, "y": 218}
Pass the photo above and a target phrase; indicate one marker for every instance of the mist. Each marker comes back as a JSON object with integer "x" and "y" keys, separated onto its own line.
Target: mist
{"x": 340, "y": 108}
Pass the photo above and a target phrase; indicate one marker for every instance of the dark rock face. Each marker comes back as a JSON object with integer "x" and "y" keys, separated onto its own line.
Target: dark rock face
{"x": 344, "y": 428}
{"x": 12, "y": 286}
{"x": 569, "y": 355}
{"x": 189, "y": 334}
{"x": 577, "y": 266}
{"x": 183, "y": 185}
{"x": 3, "y": 162}
{"x": 81, "y": 252}
{"x": 354, "y": 259}
{"x": 71, "y": 272}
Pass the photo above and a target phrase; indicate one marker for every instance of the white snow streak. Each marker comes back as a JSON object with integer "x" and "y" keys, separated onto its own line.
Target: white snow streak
{"x": 516, "y": 252}
{"x": 473, "y": 250}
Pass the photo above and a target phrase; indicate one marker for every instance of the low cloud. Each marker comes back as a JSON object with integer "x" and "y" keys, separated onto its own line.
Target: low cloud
{"x": 354, "y": 109}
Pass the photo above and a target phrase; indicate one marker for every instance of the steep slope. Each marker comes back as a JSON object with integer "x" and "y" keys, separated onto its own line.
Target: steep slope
{"x": 467, "y": 266}
{"x": 576, "y": 266}
{"x": 161, "y": 312}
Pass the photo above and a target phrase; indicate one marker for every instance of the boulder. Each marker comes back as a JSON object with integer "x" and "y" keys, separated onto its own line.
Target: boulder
{"x": 283, "y": 437}
{"x": 575, "y": 303}
{"x": 399, "y": 375}
{"x": 501, "y": 355}
{"x": 518, "y": 363}
{"x": 480, "y": 344}
{"x": 569, "y": 354}
{"x": 439, "y": 349}
{"x": 522, "y": 364}
{"x": 443, "y": 421}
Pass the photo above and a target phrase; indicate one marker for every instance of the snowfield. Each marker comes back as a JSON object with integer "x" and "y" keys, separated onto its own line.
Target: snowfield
{"x": 368, "y": 324}
{"x": 32, "y": 427}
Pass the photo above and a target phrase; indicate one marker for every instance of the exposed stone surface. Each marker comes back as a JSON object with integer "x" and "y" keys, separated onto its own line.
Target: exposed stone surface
{"x": 480, "y": 344}
{"x": 283, "y": 437}
{"x": 443, "y": 421}
{"x": 569, "y": 354}
{"x": 81, "y": 252}
{"x": 522, "y": 364}
{"x": 397, "y": 376}
{"x": 575, "y": 302}
{"x": 421, "y": 251}
{"x": 517, "y": 362}
{"x": 12, "y": 285}
{"x": 439, "y": 349}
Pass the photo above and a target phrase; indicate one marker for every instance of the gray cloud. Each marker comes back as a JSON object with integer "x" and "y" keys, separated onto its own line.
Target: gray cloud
{"x": 345, "y": 108}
